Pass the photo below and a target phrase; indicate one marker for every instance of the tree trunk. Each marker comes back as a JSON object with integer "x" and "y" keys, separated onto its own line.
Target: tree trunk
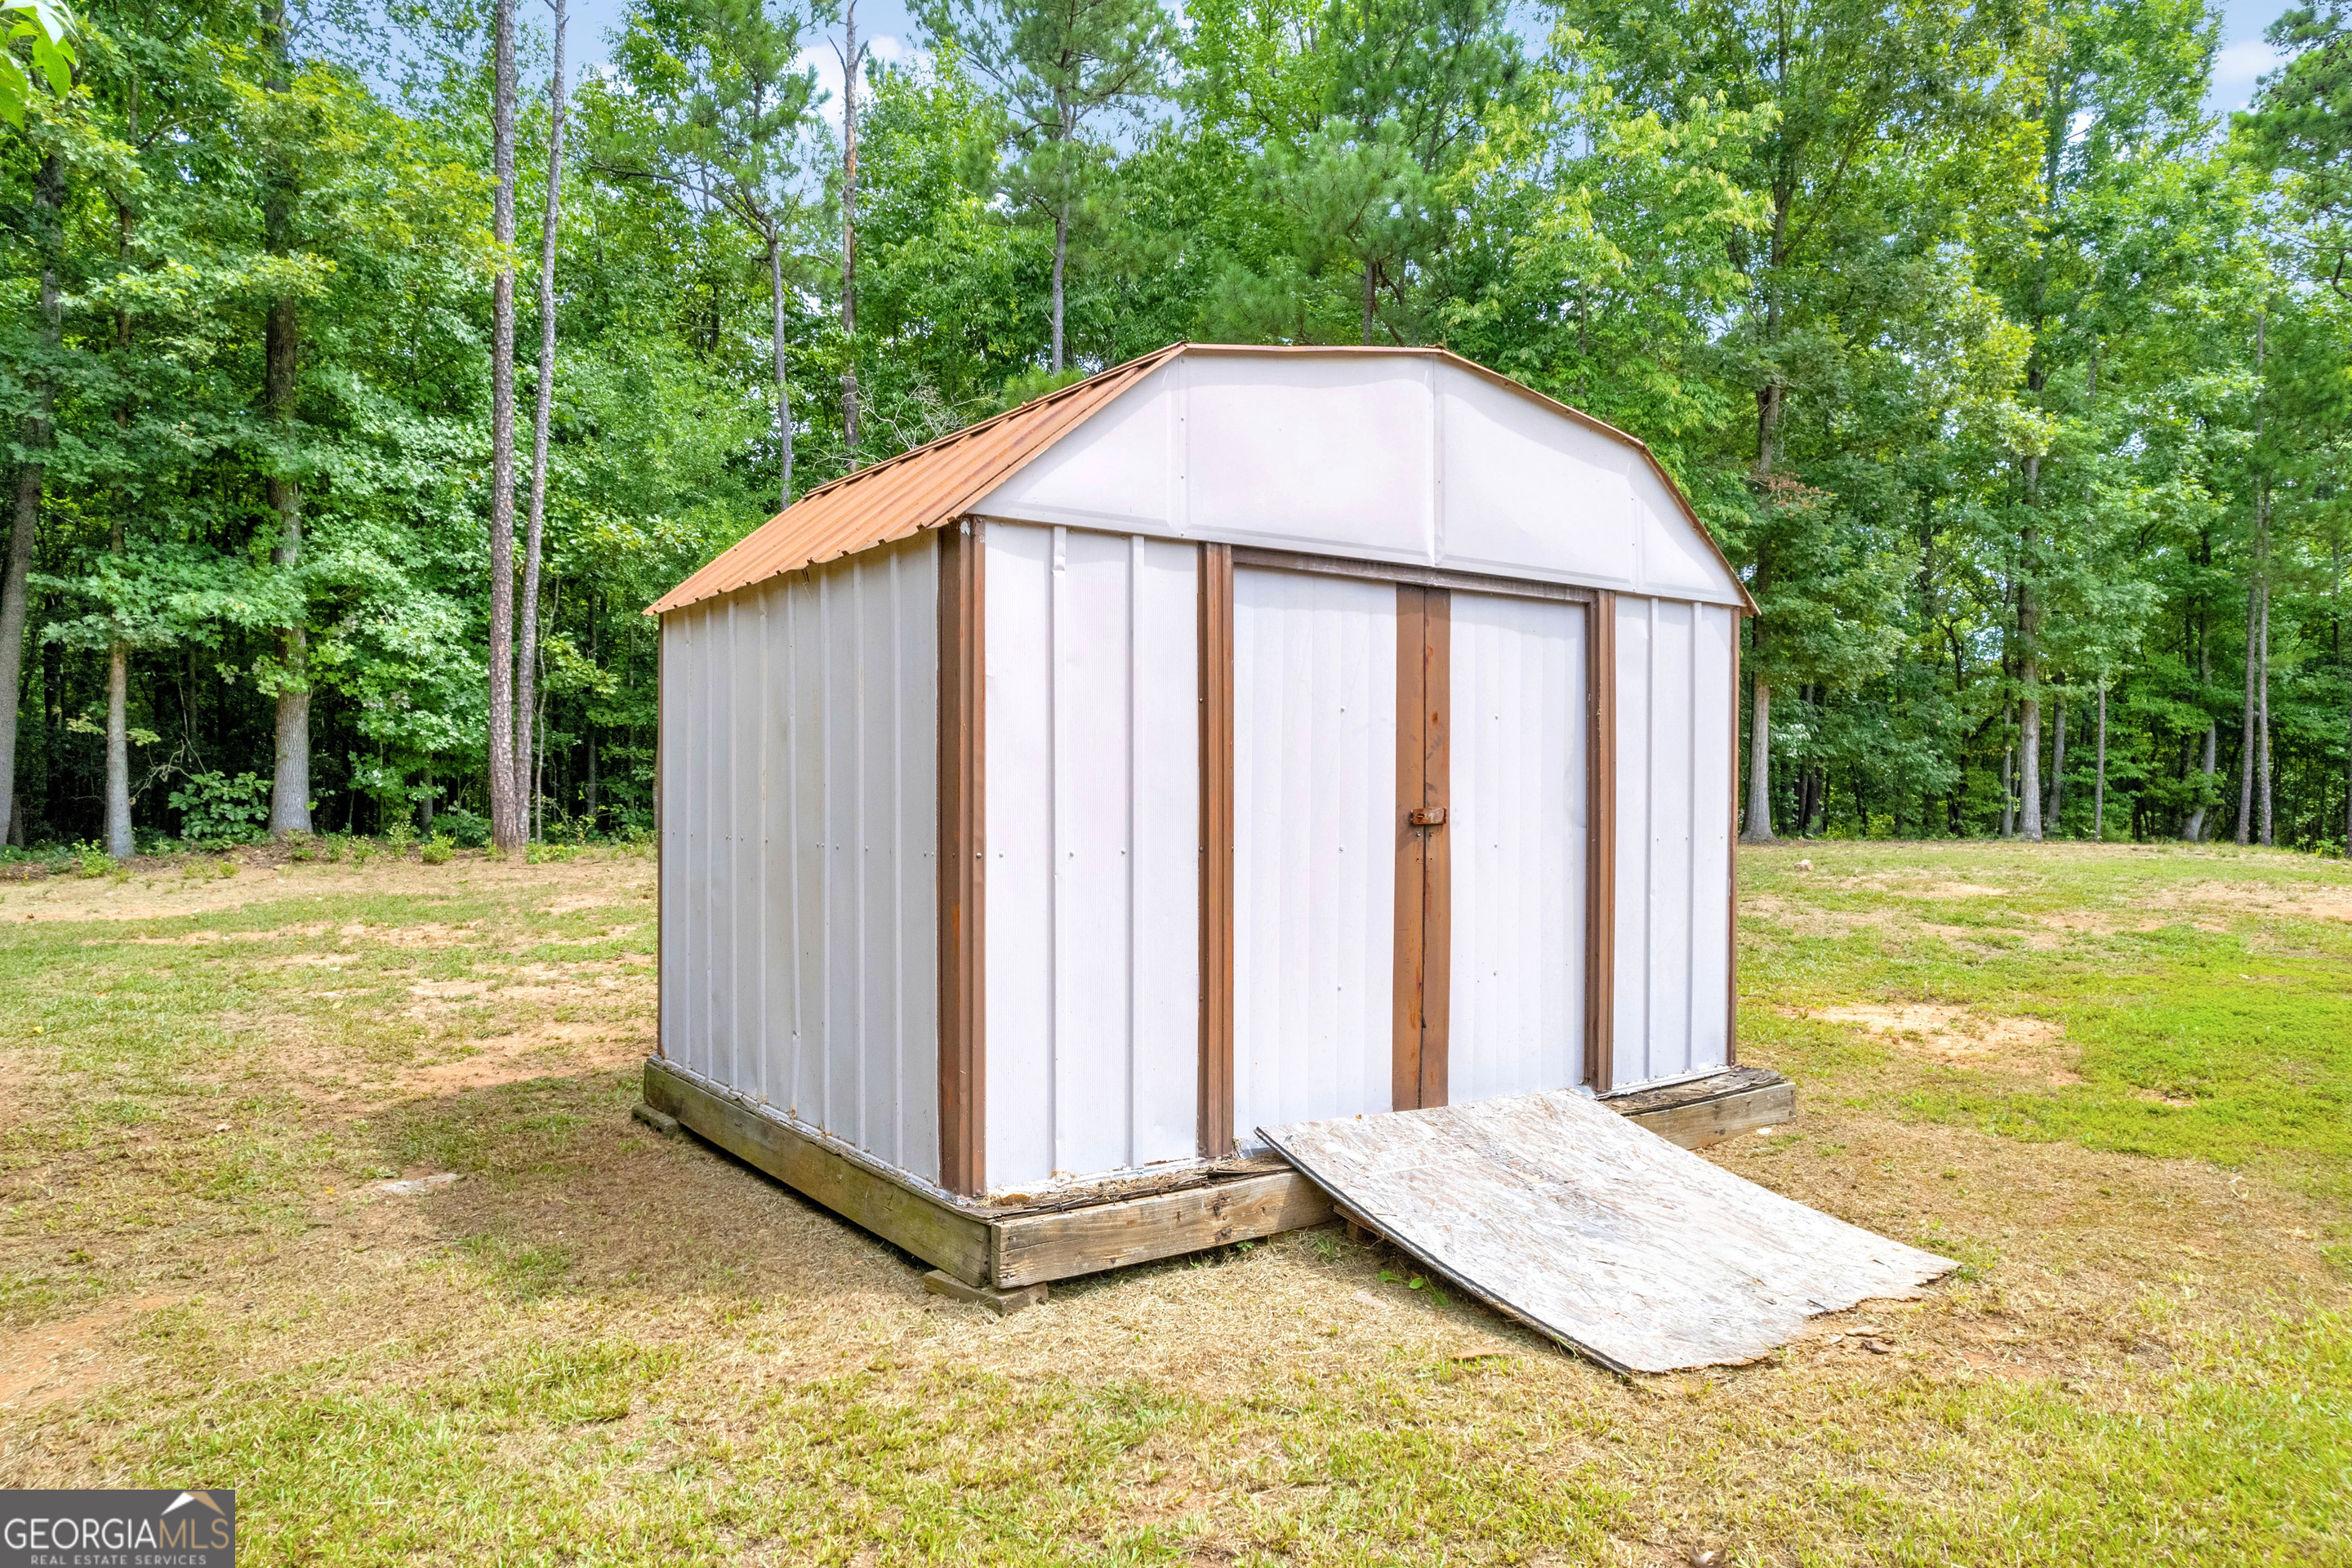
{"x": 1760, "y": 769}
{"x": 1061, "y": 258}
{"x": 2247, "y": 749}
{"x": 506, "y": 797}
{"x": 527, "y": 658}
{"x": 2195, "y": 832}
{"x": 850, "y": 63}
{"x": 2029, "y": 667}
{"x": 2053, "y": 816}
{"x": 2099, "y": 777}
{"x": 47, "y": 207}
{"x": 2008, "y": 778}
{"x": 117, "y": 748}
{"x": 2255, "y": 749}
{"x": 289, "y": 788}
{"x": 784, "y": 387}
{"x": 2262, "y": 715}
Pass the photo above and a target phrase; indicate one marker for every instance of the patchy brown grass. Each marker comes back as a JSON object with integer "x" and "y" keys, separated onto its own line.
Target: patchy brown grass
{"x": 601, "y": 1344}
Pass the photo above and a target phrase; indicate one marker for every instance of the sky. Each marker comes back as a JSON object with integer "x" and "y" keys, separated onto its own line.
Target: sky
{"x": 893, "y": 35}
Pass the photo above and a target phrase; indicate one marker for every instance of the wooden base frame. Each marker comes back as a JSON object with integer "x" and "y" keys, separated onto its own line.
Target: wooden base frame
{"x": 1700, "y": 1112}
{"x": 993, "y": 1246}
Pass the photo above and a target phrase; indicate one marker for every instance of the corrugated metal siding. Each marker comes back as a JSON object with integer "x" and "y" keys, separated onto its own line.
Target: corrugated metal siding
{"x": 1673, "y": 839}
{"x": 799, "y": 848}
{"x": 1518, "y": 818}
{"x": 1314, "y": 846}
{"x": 1093, "y": 760}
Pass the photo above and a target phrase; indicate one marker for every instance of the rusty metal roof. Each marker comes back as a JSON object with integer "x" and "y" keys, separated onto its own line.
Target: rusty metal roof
{"x": 937, "y": 482}
{"x": 899, "y": 498}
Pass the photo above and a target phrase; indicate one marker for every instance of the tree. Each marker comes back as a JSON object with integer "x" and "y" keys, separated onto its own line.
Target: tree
{"x": 507, "y": 827}
{"x": 49, "y": 25}
{"x": 1059, "y": 65}
{"x": 1863, "y": 109}
{"x": 550, "y": 223}
{"x": 714, "y": 108}
{"x": 289, "y": 798}
{"x": 852, "y": 55}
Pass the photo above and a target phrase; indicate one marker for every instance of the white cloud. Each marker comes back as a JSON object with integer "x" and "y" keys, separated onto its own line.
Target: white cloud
{"x": 886, "y": 48}
{"x": 2235, "y": 70}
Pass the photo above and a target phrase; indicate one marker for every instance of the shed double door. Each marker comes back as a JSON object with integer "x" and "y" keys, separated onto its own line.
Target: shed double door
{"x": 1409, "y": 837}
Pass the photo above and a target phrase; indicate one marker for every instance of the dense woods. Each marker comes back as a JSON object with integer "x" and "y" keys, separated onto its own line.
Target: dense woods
{"x": 2013, "y": 380}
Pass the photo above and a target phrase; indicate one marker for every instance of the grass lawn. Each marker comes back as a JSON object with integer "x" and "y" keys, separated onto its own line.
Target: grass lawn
{"x": 2116, "y": 1082}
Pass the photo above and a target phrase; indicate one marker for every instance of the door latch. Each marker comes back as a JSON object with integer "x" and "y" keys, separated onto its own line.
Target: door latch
{"x": 1427, "y": 816}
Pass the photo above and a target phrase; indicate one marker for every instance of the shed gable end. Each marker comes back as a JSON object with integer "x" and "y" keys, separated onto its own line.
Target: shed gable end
{"x": 1411, "y": 457}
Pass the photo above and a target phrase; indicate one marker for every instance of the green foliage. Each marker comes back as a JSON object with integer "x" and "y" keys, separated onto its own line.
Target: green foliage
{"x": 215, "y": 809}
{"x": 2001, "y": 373}
{"x": 466, "y": 829}
{"x": 46, "y": 25}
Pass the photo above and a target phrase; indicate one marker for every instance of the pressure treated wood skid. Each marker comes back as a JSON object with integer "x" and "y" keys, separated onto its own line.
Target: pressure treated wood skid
{"x": 1014, "y": 1242}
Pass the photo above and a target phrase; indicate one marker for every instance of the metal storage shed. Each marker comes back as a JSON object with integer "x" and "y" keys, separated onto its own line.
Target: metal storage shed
{"x": 1239, "y": 737}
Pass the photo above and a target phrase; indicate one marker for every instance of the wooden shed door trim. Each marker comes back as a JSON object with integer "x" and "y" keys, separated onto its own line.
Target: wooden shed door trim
{"x": 1217, "y": 652}
{"x": 964, "y": 866}
{"x": 1424, "y": 867}
{"x": 1601, "y": 857}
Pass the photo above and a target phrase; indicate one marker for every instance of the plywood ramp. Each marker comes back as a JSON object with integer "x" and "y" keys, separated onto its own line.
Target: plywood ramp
{"x": 1564, "y": 1214}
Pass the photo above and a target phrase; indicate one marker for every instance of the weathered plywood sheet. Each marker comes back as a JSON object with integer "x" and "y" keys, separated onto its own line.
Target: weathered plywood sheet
{"x": 1614, "y": 1241}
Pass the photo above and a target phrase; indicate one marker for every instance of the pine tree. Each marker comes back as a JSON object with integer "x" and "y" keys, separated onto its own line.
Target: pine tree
{"x": 1060, "y": 65}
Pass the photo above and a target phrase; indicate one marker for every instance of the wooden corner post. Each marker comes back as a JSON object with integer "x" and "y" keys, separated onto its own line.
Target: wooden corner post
{"x": 964, "y": 866}
{"x": 1601, "y": 851}
{"x": 1424, "y": 869}
{"x": 1216, "y": 655}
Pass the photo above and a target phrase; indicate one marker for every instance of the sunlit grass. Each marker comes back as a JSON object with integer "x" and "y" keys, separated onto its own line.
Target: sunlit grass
{"x": 599, "y": 1346}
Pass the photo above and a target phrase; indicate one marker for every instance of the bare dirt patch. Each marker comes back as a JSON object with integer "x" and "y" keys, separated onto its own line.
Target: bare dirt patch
{"x": 69, "y": 1359}
{"x": 1960, "y": 1037}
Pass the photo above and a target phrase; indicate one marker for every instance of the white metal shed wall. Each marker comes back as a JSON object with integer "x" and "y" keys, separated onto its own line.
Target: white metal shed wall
{"x": 1094, "y": 855}
{"x": 1404, "y": 458}
{"x": 799, "y": 840}
{"x": 1518, "y": 819}
{"x": 1673, "y": 839}
{"x": 1314, "y": 771}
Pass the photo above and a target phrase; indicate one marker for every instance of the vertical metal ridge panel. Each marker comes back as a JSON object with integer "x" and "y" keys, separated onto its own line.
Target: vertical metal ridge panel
{"x": 747, "y": 859}
{"x": 677, "y": 657}
{"x": 801, "y": 716}
{"x": 1674, "y": 809}
{"x": 1016, "y": 614}
{"x": 778, "y": 849}
{"x": 708, "y": 747}
{"x": 1637, "y": 809}
{"x": 1519, "y": 822}
{"x": 1672, "y": 824}
{"x": 1713, "y": 690}
{"x": 1093, "y": 965}
{"x": 837, "y": 1097}
{"x": 1165, "y": 834}
{"x": 1315, "y": 799}
{"x": 810, "y": 723}
{"x": 917, "y": 913}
